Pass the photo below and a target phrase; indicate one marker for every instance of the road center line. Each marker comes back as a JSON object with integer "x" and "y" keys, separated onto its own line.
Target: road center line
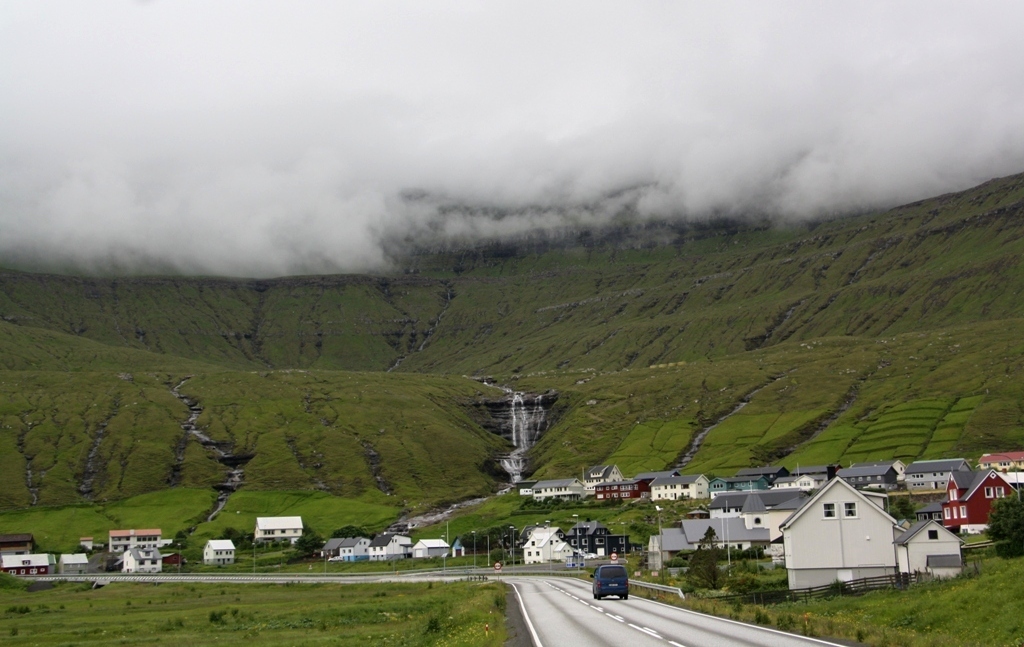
{"x": 645, "y": 630}
{"x": 614, "y": 617}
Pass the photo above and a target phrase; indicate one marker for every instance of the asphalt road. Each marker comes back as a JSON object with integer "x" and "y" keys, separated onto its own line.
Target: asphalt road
{"x": 563, "y": 611}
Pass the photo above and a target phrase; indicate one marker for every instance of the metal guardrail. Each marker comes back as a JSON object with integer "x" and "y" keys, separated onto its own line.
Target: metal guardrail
{"x": 663, "y": 588}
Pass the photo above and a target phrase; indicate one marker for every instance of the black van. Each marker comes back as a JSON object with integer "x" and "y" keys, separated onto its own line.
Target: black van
{"x": 611, "y": 579}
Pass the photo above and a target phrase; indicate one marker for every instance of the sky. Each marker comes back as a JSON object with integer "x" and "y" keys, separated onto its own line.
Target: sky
{"x": 273, "y": 138}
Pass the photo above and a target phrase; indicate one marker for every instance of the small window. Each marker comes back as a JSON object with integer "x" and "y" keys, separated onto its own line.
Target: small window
{"x": 830, "y": 510}
{"x": 963, "y": 512}
{"x": 989, "y": 493}
{"x": 850, "y": 509}
{"x": 1000, "y": 492}
{"x": 933, "y": 534}
{"x": 947, "y": 512}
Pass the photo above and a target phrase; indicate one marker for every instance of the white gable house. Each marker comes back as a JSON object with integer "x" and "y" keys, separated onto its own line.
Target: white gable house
{"x": 142, "y": 560}
{"x": 568, "y": 489}
{"x": 839, "y": 534}
{"x": 546, "y": 544}
{"x": 927, "y": 547}
{"x": 430, "y": 548}
{"x": 278, "y": 529}
{"x": 387, "y": 546}
{"x": 219, "y": 552}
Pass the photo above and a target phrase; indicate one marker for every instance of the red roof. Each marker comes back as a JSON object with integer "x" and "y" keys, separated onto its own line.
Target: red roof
{"x": 135, "y": 532}
{"x": 995, "y": 457}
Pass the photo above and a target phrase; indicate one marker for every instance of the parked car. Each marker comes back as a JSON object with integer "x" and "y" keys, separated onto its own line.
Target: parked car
{"x": 336, "y": 558}
{"x": 611, "y": 579}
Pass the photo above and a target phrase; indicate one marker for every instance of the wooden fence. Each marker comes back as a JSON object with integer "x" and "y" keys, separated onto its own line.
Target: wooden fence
{"x": 835, "y": 589}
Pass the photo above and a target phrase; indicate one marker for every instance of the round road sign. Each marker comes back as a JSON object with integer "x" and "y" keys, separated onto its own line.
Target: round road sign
{"x": 497, "y": 566}
{"x": 615, "y": 557}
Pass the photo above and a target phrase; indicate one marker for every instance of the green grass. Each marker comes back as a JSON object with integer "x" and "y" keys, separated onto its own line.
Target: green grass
{"x": 256, "y": 614}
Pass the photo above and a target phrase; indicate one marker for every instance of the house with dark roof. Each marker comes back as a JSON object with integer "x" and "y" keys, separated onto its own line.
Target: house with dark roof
{"x": 18, "y": 544}
{"x": 622, "y": 490}
{"x": 731, "y": 504}
{"x": 896, "y": 464}
{"x": 732, "y": 533}
{"x": 933, "y": 475}
{"x": 567, "y": 489}
{"x": 596, "y": 474}
{"x": 722, "y": 485}
{"x": 593, "y": 537}
{"x": 969, "y": 498}
{"x": 387, "y": 546}
{"x": 928, "y": 547}
{"x": 879, "y": 476}
{"x": 650, "y": 476}
{"x": 829, "y": 471}
{"x": 769, "y": 472}
{"x": 930, "y": 511}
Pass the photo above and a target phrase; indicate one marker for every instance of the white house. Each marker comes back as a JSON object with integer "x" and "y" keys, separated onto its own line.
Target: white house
{"x": 802, "y": 482}
{"x": 927, "y": 547}
{"x": 122, "y": 540}
{"x": 594, "y": 475}
{"x": 839, "y": 534}
{"x": 388, "y": 545}
{"x": 351, "y": 549}
{"x": 73, "y": 564}
{"x": 430, "y": 548}
{"x": 546, "y": 544}
{"x": 569, "y": 489}
{"x": 142, "y": 560}
{"x": 933, "y": 475}
{"x": 219, "y": 552}
{"x": 674, "y": 488}
{"x": 278, "y": 529}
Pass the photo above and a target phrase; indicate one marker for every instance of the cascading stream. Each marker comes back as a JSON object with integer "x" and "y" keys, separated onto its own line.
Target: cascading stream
{"x": 527, "y": 422}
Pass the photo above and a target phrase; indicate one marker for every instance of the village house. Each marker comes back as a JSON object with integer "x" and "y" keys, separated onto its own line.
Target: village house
{"x": 933, "y": 475}
{"x": 354, "y": 549}
{"x": 969, "y": 498}
{"x": 1002, "y": 461}
{"x": 840, "y": 533}
{"x": 730, "y": 533}
{"x": 219, "y": 552}
{"x": 771, "y": 473}
{"x": 73, "y": 564}
{"x": 387, "y": 546}
{"x": 732, "y": 504}
{"x": 18, "y": 544}
{"x": 122, "y": 540}
{"x": 545, "y": 544}
{"x": 879, "y": 476}
{"x": 31, "y": 564}
{"x": 525, "y": 487}
{"x": 278, "y": 529}
{"x": 927, "y": 547}
{"x": 897, "y": 465}
{"x": 142, "y": 560}
{"x": 85, "y": 543}
{"x": 172, "y": 560}
{"x": 592, "y": 476}
{"x": 930, "y": 511}
{"x": 594, "y": 538}
{"x": 674, "y": 488}
{"x": 722, "y": 485}
{"x": 566, "y": 489}
{"x": 801, "y": 482}
{"x": 622, "y": 490}
{"x": 430, "y": 548}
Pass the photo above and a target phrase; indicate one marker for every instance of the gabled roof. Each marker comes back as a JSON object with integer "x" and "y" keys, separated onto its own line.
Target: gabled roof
{"x": 599, "y": 471}
{"x": 433, "y": 543}
{"x": 616, "y": 483}
{"x": 650, "y": 476}
{"x": 944, "y": 465}
{"x": 221, "y": 544}
{"x": 384, "y": 538}
{"x": 860, "y": 469}
{"x": 979, "y": 478}
{"x": 74, "y": 558}
{"x": 145, "y": 553}
{"x": 586, "y": 528}
{"x": 810, "y": 469}
{"x": 930, "y": 508}
{"x": 963, "y": 479}
{"x": 770, "y": 498}
{"x": 834, "y": 483}
{"x": 135, "y": 532}
{"x": 995, "y": 457}
{"x": 278, "y": 523}
{"x": 18, "y": 538}
{"x": 19, "y": 561}
{"x": 752, "y": 478}
{"x": 769, "y": 470}
{"x": 352, "y": 542}
{"x": 684, "y": 479}
{"x": 334, "y": 543}
{"x": 691, "y": 531}
{"x": 540, "y": 485}
{"x": 916, "y": 529}
{"x": 753, "y": 504}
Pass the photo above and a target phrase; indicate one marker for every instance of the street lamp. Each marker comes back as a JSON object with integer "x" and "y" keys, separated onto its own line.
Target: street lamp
{"x": 661, "y": 540}
{"x": 513, "y": 528}
{"x": 474, "y": 549}
{"x": 444, "y": 556}
{"x": 551, "y": 543}
{"x": 576, "y": 531}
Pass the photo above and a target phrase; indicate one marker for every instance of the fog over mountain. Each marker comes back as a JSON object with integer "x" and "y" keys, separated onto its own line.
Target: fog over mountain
{"x": 269, "y": 138}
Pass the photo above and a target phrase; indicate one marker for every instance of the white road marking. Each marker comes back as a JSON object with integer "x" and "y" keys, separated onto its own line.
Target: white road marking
{"x": 614, "y": 617}
{"x": 526, "y": 617}
{"x": 672, "y": 642}
{"x": 649, "y": 632}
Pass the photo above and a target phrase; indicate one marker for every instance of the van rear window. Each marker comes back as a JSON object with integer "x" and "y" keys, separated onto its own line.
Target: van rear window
{"x": 613, "y": 571}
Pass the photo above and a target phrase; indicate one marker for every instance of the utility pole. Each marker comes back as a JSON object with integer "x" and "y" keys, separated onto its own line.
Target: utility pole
{"x": 474, "y": 549}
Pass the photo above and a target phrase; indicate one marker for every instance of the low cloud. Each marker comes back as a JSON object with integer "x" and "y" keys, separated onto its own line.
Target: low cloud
{"x": 263, "y": 139}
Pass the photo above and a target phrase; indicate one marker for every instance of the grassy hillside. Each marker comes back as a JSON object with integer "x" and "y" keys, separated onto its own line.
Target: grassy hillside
{"x": 888, "y": 335}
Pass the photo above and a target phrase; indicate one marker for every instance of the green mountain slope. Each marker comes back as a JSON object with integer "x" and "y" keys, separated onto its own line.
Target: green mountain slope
{"x": 887, "y": 335}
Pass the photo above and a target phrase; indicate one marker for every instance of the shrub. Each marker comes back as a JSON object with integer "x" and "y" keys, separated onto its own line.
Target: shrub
{"x": 217, "y": 617}
{"x": 761, "y": 618}
{"x": 786, "y": 622}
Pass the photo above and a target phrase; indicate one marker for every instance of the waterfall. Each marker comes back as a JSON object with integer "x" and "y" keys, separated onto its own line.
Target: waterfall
{"x": 527, "y": 423}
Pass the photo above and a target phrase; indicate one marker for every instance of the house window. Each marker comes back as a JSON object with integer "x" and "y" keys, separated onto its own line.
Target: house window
{"x": 963, "y": 512}
{"x": 1000, "y": 492}
{"x": 830, "y": 510}
{"x": 953, "y": 495}
{"x": 947, "y": 512}
{"x": 933, "y": 534}
{"x": 955, "y": 513}
{"x": 850, "y": 509}
{"x": 988, "y": 493}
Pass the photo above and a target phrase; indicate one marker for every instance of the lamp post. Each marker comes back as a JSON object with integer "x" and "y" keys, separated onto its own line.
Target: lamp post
{"x": 576, "y": 531}
{"x": 474, "y": 549}
{"x": 661, "y": 541}
{"x": 551, "y": 543}
{"x": 444, "y": 557}
{"x": 513, "y": 529}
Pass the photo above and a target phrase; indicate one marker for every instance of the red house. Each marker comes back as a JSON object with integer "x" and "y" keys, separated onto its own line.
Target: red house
{"x": 623, "y": 490}
{"x": 38, "y": 564}
{"x": 171, "y": 559}
{"x": 969, "y": 497}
